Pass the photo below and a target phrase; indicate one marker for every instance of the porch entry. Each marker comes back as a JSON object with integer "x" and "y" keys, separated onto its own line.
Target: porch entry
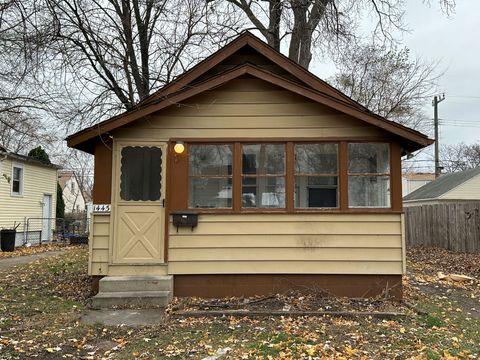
{"x": 138, "y": 209}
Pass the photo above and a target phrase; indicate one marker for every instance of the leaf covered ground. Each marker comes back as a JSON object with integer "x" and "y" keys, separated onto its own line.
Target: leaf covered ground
{"x": 25, "y": 251}
{"x": 41, "y": 304}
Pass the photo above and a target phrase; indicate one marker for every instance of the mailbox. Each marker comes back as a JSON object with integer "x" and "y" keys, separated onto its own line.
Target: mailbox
{"x": 185, "y": 219}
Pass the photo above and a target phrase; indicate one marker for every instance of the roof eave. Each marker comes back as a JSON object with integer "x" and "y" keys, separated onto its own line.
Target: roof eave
{"x": 411, "y": 140}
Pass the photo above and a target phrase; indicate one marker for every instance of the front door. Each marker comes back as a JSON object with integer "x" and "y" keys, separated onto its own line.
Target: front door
{"x": 46, "y": 217}
{"x": 139, "y": 213}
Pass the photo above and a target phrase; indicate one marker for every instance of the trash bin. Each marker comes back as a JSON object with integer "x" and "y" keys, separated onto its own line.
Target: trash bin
{"x": 7, "y": 239}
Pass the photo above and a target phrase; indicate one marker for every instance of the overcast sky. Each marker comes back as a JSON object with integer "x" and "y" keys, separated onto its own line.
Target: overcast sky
{"x": 455, "y": 42}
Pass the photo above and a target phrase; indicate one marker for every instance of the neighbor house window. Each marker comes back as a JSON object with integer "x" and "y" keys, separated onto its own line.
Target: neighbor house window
{"x": 316, "y": 175}
{"x": 141, "y": 170}
{"x": 17, "y": 180}
{"x": 210, "y": 176}
{"x": 368, "y": 175}
{"x": 263, "y": 176}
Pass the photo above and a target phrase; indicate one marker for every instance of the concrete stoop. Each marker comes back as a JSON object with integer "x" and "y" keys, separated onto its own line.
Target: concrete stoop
{"x": 141, "y": 291}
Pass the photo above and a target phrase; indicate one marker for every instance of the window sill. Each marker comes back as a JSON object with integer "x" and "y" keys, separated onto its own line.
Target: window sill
{"x": 297, "y": 211}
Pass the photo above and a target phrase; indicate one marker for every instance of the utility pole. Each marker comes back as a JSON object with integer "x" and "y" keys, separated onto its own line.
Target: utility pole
{"x": 435, "y": 102}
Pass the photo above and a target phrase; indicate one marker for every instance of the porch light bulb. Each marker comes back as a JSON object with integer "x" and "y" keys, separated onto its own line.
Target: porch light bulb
{"x": 179, "y": 148}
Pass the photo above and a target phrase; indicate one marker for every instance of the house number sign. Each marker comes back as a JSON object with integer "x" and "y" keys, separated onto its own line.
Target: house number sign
{"x": 102, "y": 208}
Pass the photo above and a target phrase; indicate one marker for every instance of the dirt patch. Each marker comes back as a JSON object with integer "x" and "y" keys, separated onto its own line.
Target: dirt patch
{"x": 290, "y": 302}
{"x": 423, "y": 267}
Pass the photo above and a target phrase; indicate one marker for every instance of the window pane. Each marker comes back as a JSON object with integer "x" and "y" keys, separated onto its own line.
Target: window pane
{"x": 316, "y": 192}
{"x": 17, "y": 173}
{"x": 210, "y": 193}
{"x": 141, "y": 173}
{"x": 264, "y": 159}
{"x": 210, "y": 160}
{"x": 368, "y": 158}
{"x": 369, "y": 191}
{"x": 316, "y": 158}
{"x": 263, "y": 192}
{"x": 16, "y": 186}
{"x": 16, "y": 179}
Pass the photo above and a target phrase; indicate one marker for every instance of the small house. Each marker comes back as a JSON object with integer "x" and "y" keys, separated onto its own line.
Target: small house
{"x": 411, "y": 181}
{"x": 28, "y": 194}
{"x": 445, "y": 213}
{"x": 248, "y": 175}
{"x": 72, "y": 193}
{"x": 453, "y": 187}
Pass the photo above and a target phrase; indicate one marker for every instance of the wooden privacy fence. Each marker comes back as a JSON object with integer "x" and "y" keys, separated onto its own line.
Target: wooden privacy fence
{"x": 453, "y": 226}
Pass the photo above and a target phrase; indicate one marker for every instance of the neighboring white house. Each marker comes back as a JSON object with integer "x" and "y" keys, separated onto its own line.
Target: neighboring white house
{"x": 454, "y": 187}
{"x": 412, "y": 181}
{"x": 72, "y": 193}
{"x": 28, "y": 189}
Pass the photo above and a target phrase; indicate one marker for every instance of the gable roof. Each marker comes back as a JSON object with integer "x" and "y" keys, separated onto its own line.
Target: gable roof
{"x": 64, "y": 176}
{"x": 442, "y": 185}
{"x": 27, "y": 159}
{"x": 191, "y": 83}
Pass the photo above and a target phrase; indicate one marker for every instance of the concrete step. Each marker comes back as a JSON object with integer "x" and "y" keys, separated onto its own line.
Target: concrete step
{"x": 105, "y": 300}
{"x": 112, "y": 284}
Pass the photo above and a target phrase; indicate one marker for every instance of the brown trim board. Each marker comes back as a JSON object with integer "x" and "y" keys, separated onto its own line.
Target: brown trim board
{"x": 227, "y": 285}
{"x": 102, "y": 178}
{"x": 178, "y": 170}
{"x": 415, "y": 139}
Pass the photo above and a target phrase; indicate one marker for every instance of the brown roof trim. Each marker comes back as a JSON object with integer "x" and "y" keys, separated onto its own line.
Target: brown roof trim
{"x": 417, "y": 138}
{"x": 345, "y": 107}
{"x": 278, "y": 58}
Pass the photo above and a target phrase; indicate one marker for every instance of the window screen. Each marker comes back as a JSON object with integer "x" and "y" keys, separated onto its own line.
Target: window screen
{"x": 141, "y": 171}
{"x": 368, "y": 175}
{"x": 210, "y": 176}
{"x": 263, "y": 176}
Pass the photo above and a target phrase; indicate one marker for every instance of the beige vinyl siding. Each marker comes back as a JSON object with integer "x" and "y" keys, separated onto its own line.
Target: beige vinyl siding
{"x": 469, "y": 190}
{"x": 98, "y": 242}
{"x": 281, "y": 243}
{"x": 37, "y": 181}
{"x": 269, "y": 243}
{"x": 99, "y": 262}
{"x": 247, "y": 108}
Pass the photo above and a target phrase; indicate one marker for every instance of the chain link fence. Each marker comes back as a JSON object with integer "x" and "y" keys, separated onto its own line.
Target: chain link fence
{"x": 37, "y": 231}
{"x": 43, "y": 230}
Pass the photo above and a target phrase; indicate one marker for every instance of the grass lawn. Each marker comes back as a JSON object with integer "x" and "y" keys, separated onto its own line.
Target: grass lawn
{"x": 41, "y": 303}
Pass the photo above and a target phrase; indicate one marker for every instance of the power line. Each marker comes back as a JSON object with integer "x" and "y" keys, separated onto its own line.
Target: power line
{"x": 465, "y": 96}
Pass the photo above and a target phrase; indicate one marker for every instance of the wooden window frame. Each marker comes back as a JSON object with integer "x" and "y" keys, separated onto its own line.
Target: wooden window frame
{"x": 189, "y": 176}
{"x": 349, "y": 174}
{"x": 179, "y": 177}
{"x": 256, "y": 176}
{"x": 336, "y": 174}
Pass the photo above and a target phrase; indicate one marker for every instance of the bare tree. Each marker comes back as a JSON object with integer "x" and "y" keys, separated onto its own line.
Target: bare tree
{"x": 24, "y": 103}
{"x": 321, "y": 23}
{"x": 82, "y": 164}
{"x": 460, "y": 157}
{"x": 117, "y": 52}
{"x": 387, "y": 82}
{"x": 18, "y": 134}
